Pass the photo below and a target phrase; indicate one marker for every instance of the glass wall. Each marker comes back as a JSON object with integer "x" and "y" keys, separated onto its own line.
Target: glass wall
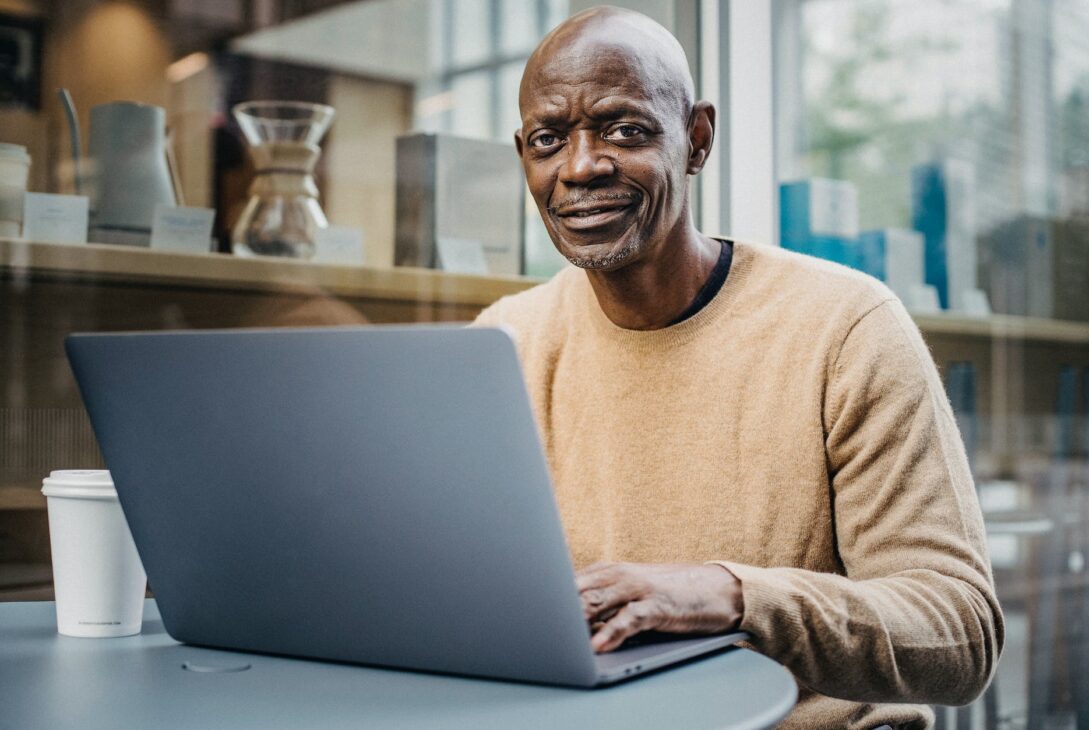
{"x": 941, "y": 145}
{"x": 356, "y": 200}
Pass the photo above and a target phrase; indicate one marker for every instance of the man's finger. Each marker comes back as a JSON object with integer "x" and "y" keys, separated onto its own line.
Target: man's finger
{"x": 599, "y": 604}
{"x": 628, "y": 621}
{"x": 597, "y": 576}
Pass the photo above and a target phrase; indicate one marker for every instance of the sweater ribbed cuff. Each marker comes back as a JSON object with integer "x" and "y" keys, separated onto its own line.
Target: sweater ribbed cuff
{"x": 764, "y": 599}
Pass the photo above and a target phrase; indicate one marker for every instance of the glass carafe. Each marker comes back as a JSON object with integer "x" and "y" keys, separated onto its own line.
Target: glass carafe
{"x": 282, "y": 215}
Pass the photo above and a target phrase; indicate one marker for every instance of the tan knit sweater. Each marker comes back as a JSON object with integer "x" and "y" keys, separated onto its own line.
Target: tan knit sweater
{"x": 795, "y": 430}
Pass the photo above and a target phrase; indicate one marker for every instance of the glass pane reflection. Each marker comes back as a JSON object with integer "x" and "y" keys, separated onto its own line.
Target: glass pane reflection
{"x": 990, "y": 98}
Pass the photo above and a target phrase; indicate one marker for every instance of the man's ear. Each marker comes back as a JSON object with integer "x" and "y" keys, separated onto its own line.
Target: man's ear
{"x": 518, "y": 142}
{"x": 701, "y": 135}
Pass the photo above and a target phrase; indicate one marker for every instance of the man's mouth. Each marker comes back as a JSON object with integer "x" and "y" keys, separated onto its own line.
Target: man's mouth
{"x": 594, "y": 213}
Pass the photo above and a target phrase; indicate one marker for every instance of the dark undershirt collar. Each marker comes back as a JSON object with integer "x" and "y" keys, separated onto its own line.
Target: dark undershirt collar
{"x": 712, "y": 285}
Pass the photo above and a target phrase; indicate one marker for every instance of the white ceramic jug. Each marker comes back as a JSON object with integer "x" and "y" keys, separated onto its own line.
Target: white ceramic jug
{"x": 128, "y": 165}
{"x": 14, "y": 168}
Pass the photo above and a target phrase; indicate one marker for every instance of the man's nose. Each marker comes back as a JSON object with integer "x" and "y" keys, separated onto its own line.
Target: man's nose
{"x": 586, "y": 159}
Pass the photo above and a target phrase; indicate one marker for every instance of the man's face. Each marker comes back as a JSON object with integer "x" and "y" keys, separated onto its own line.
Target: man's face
{"x": 604, "y": 145}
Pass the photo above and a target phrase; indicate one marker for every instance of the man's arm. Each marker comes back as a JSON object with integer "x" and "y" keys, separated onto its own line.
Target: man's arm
{"x": 915, "y": 618}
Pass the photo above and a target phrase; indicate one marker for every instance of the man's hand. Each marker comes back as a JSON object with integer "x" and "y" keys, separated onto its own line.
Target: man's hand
{"x": 627, "y": 598}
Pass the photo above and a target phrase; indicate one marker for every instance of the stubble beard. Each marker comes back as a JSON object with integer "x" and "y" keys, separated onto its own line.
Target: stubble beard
{"x": 608, "y": 261}
{"x": 605, "y": 262}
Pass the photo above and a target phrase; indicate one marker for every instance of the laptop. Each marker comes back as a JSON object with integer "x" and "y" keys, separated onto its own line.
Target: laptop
{"x": 373, "y": 495}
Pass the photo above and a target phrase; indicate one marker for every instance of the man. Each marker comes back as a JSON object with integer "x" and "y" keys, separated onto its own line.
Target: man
{"x": 740, "y": 437}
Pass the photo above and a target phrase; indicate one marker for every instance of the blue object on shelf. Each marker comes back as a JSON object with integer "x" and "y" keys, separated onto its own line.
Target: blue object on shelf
{"x": 943, "y": 210}
{"x": 819, "y": 217}
{"x": 794, "y": 211}
{"x": 929, "y": 214}
{"x": 960, "y": 386}
{"x": 1066, "y": 410}
{"x": 895, "y": 256}
{"x": 873, "y": 254}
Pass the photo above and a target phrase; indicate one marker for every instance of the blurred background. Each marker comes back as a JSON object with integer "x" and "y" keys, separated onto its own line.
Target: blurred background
{"x": 940, "y": 145}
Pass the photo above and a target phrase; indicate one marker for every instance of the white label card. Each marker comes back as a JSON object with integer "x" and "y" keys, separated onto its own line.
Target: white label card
{"x": 462, "y": 256}
{"x": 339, "y": 245}
{"x": 182, "y": 229}
{"x": 49, "y": 218}
{"x": 833, "y": 208}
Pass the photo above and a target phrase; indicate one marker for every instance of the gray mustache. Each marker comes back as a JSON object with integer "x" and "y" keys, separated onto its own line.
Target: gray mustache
{"x": 595, "y": 198}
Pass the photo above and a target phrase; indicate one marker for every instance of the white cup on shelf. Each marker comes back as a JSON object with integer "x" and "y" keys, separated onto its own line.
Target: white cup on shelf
{"x": 98, "y": 578}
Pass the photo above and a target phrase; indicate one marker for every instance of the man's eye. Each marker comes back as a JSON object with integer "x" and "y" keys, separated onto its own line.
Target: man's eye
{"x": 544, "y": 140}
{"x": 625, "y": 132}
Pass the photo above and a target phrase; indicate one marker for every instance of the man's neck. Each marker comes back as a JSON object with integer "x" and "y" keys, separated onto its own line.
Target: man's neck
{"x": 649, "y": 294}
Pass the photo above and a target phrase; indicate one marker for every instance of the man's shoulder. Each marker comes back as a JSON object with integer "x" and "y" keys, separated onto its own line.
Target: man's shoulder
{"x": 536, "y": 308}
{"x": 808, "y": 284}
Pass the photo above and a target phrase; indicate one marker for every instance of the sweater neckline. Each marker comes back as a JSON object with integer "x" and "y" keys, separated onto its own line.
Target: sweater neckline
{"x": 681, "y": 332}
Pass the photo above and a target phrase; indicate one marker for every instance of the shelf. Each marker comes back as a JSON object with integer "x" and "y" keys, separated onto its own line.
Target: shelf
{"x": 1000, "y": 326}
{"x": 21, "y": 498}
{"x": 24, "y": 576}
{"x": 101, "y": 263}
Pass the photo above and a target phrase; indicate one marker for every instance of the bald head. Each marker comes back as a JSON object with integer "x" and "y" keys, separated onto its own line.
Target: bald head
{"x": 610, "y": 134}
{"x": 633, "y": 41}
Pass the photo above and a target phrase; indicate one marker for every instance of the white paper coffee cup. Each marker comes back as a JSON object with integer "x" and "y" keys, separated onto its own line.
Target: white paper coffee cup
{"x": 97, "y": 575}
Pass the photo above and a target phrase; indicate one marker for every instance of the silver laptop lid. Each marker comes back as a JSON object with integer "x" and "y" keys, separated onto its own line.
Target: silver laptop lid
{"x": 285, "y": 500}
